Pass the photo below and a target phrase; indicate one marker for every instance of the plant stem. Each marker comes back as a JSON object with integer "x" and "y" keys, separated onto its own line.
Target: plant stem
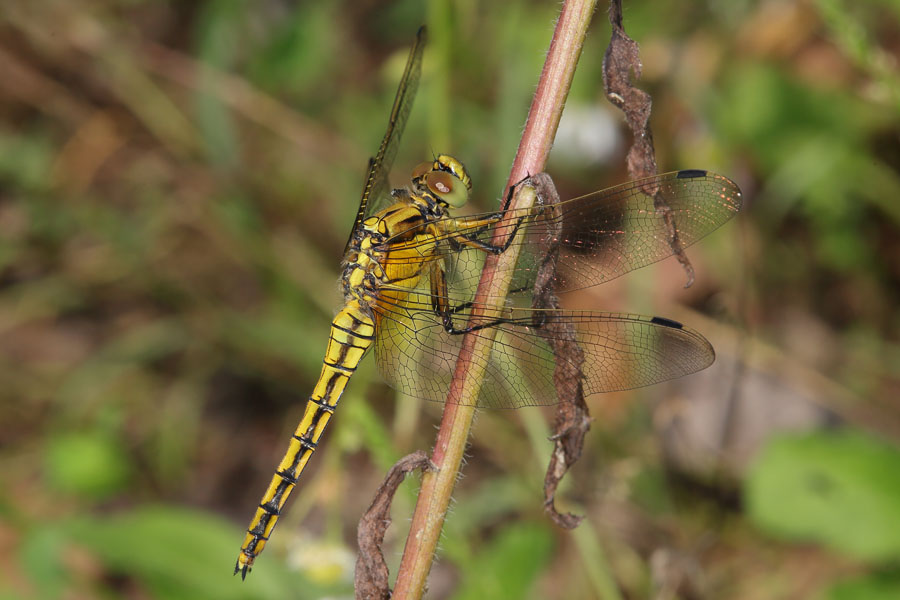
{"x": 540, "y": 129}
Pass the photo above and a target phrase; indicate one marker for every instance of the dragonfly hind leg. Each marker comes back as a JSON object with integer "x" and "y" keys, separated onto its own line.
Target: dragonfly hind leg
{"x": 442, "y": 308}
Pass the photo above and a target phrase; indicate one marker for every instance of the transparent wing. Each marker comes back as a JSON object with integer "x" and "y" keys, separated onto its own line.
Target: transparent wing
{"x": 416, "y": 355}
{"x": 602, "y": 235}
{"x": 376, "y": 193}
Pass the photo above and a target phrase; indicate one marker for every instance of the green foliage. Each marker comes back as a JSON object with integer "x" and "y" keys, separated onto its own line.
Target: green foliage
{"x": 90, "y": 465}
{"x": 178, "y": 553}
{"x": 813, "y": 141}
{"x": 42, "y": 561}
{"x": 25, "y": 160}
{"x": 217, "y": 30}
{"x": 837, "y": 489}
{"x": 879, "y": 586}
{"x": 506, "y": 566}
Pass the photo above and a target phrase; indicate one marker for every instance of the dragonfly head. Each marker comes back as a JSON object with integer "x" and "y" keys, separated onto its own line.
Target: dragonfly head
{"x": 445, "y": 178}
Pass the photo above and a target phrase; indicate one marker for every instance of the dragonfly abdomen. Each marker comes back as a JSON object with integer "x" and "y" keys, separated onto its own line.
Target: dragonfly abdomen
{"x": 352, "y": 333}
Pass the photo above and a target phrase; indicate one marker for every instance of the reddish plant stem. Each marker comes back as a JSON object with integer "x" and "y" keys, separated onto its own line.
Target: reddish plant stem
{"x": 540, "y": 130}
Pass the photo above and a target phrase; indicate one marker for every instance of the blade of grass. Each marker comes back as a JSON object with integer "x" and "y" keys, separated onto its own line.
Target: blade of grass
{"x": 540, "y": 129}
{"x": 596, "y": 565}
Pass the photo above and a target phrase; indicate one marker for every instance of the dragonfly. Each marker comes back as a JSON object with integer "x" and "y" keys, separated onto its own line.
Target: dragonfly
{"x": 410, "y": 270}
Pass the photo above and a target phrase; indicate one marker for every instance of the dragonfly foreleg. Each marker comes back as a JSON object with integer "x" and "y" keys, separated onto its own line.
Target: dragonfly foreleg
{"x": 471, "y": 240}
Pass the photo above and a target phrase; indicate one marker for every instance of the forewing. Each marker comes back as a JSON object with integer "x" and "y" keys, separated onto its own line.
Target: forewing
{"x": 604, "y": 234}
{"x": 376, "y": 192}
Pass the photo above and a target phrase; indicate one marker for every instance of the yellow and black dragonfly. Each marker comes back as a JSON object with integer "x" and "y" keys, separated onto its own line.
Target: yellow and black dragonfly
{"x": 410, "y": 271}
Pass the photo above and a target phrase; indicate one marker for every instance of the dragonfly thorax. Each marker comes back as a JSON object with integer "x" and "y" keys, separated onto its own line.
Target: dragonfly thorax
{"x": 393, "y": 247}
{"x": 402, "y": 230}
{"x": 362, "y": 268}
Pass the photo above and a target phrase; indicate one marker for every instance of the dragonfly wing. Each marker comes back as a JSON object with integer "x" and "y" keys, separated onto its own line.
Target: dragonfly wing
{"x": 413, "y": 353}
{"x": 602, "y": 235}
{"x": 607, "y": 234}
{"x": 417, "y": 356}
{"x": 376, "y": 192}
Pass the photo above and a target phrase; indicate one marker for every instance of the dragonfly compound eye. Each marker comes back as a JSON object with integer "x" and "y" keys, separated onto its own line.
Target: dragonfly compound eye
{"x": 448, "y": 188}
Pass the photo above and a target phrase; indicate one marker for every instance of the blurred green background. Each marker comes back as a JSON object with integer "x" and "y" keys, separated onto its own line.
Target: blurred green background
{"x": 176, "y": 184}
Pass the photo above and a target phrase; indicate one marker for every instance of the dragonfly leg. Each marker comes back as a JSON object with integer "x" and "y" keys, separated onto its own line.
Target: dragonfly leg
{"x": 470, "y": 239}
{"x": 443, "y": 309}
{"x": 467, "y": 305}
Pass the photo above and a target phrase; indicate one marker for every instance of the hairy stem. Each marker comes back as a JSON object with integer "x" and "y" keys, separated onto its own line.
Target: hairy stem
{"x": 437, "y": 486}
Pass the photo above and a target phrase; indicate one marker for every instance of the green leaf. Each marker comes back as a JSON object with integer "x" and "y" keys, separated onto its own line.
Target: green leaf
{"x": 186, "y": 554}
{"x": 26, "y": 161}
{"x": 841, "y": 490}
{"x": 218, "y": 31}
{"x": 41, "y": 558}
{"x": 878, "y": 586}
{"x": 508, "y": 565}
{"x": 91, "y": 464}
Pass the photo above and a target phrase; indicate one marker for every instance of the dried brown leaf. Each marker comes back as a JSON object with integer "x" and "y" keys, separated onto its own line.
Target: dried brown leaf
{"x": 371, "y": 569}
